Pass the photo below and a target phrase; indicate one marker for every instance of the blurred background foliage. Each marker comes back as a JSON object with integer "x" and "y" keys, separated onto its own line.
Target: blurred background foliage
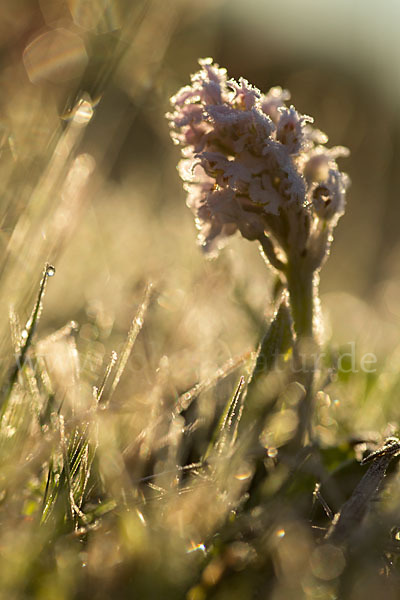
{"x": 98, "y": 196}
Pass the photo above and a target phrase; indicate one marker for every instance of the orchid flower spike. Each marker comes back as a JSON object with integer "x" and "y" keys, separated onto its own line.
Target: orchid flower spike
{"x": 253, "y": 165}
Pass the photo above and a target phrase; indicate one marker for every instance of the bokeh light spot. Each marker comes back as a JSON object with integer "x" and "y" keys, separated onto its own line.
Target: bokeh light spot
{"x": 327, "y": 562}
{"x": 57, "y": 56}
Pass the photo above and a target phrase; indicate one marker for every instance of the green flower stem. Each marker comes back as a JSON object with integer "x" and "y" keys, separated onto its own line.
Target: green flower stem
{"x": 303, "y": 294}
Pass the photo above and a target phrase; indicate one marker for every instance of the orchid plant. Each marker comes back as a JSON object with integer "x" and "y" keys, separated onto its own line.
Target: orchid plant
{"x": 253, "y": 165}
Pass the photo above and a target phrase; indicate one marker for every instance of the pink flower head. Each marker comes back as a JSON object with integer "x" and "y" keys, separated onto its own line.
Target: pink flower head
{"x": 251, "y": 164}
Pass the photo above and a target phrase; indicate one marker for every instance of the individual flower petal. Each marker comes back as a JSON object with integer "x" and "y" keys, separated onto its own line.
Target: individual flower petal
{"x": 271, "y": 102}
{"x": 189, "y": 114}
{"x": 217, "y": 165}
{"x": 213, "y": 235}
{"x": 245, "y": 95}
{"x": 184, "y": 95}
{"x": 289, "y": 129}
{"x": 210, "y": 82}
{"x": 264, "y": 194}
{"x": 329, "y": 197}
{"x": 317, "y": 163}
{"x": 222, "y": 205}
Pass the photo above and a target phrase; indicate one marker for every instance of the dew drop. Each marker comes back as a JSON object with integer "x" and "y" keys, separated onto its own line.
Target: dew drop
{"x": 195, "y": 547}
{"x": 83, "y": 112}
{"x": 10, "y": 431}
{"x": 50, "y": 271}
{"x": 141, "y": 517}
{"x": 243, "y": 474}
{"x": 83, "y": 557}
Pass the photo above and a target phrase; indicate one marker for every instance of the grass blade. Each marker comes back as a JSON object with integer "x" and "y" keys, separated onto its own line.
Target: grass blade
{"x": 27, "y": 335}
